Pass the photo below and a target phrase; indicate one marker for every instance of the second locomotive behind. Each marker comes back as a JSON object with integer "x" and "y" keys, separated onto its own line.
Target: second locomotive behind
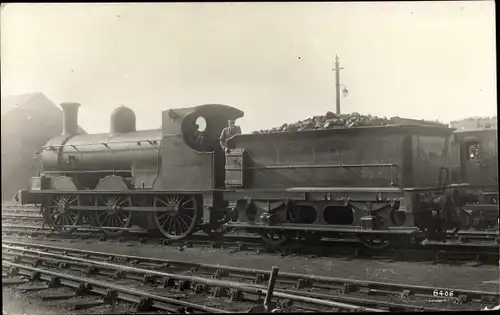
{"x": 375, "y": 183}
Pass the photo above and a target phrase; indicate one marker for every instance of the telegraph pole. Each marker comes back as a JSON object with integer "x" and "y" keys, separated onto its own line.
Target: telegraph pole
{"x": 337, "y": 83}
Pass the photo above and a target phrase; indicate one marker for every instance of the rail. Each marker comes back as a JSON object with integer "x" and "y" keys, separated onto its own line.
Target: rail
{"x": 212, "y": 275}
{"x": 243, "y": 287}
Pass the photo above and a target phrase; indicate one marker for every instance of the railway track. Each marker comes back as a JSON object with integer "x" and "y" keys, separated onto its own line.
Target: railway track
{"x": 480, "y": 247}
{"x": 454, "y": 252}
{"x": 12, "y": 219}
{"x": 171, "y": 286}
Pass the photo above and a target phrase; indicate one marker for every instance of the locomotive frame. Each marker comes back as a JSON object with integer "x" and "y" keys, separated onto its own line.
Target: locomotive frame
{"x": 393, "y": 181}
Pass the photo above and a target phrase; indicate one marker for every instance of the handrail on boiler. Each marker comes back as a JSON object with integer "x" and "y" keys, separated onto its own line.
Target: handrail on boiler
{"x": 52, "y": 147}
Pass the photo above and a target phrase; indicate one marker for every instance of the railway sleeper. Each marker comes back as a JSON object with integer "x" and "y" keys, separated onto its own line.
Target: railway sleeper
{"x": 235, "y": 295}
{"x": 82, "y": 305}
{"x": 461, "y": 299}
{"x": 220, "y": 292}
{"x": 25, "y": 289}
{"x": 168, "y": 283}
{"x": 145, "y": 304}
{"x": 13, "y": 282}
{"x": 369, "y": 291}
{"x": 405, "y": 294}
{"x": 59, "y": 296}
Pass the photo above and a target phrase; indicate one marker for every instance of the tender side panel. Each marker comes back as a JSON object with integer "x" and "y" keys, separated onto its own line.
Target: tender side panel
{"x": 323, "y": 160}
{"x": 430, "y": 154}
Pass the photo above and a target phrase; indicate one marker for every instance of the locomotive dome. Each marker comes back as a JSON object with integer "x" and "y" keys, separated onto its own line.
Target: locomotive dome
{"x": 122, "y": 120}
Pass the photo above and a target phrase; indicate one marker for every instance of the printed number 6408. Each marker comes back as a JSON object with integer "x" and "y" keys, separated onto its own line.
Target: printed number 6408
{"x": 442, "y": 293}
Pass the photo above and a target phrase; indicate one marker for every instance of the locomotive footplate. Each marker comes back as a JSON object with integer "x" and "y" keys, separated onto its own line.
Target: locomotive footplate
{"x": 332, "y": 229}
{"x": 484, "y": 208}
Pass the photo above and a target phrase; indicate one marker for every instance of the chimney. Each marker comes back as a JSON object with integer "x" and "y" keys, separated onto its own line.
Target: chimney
{"x": 70, "y": 118}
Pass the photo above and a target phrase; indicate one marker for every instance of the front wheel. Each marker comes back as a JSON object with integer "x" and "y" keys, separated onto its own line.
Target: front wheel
{"x": 375, "y": 242}
{"x": 57, "y": 214}
{"x": 274, "y": 239}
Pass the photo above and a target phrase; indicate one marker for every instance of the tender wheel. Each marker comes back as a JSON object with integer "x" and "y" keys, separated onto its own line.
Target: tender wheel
{"x": 179, "y": 215}
{"x": 374, "y": 242}
{"x": 274, "y": 239}
{"x": 114, "y": 217}
{"x": 310, "y": 237}
{"x": 57, "y": 214}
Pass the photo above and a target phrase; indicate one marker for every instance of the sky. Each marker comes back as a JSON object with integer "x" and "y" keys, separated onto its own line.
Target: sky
{"x": 424, "y": 60}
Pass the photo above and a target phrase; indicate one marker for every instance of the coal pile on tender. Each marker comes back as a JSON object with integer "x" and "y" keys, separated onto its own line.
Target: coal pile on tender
{"x": 352, "y": 120}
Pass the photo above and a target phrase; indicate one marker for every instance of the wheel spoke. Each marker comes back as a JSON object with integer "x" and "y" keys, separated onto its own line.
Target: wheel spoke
{"x": 163, "y": 215}
{"x": 107, "y": 220}
{"x": 122, "y": 223}
{"x": 163, "y": 202}
{"x": 178, "y": 227}
{"x": 117, "y": 220}
{"x": 184, "y": 216}
{"x": 114, "y": 221}
{"x": 57, "y": 220}
{"x": 170, "y": 225}
{"x": 184, "y": 222}
{"x": 165, "y": 222}
{"x": 74, "y": 218}
{"x": 101, "y": 214}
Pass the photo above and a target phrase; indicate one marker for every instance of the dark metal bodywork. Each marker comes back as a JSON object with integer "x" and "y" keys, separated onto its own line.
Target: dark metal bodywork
{"x": 338, "y": 177}
{"x": 474, "y": 168}
{"x": 475, "y": 157}
{"x": 153, "y": 161}
{"x": 87, "y": 158}
{"x": 366, "y": 180}
{"x": 189, "y": 166}
{"x": 394, "y": 156}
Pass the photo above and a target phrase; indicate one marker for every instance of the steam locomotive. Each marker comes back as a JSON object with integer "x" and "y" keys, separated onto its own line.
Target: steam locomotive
{"x": 378, "y": 184}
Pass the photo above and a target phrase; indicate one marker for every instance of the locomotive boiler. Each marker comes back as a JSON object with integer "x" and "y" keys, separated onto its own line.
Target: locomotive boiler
{"x": 374, "y": 183}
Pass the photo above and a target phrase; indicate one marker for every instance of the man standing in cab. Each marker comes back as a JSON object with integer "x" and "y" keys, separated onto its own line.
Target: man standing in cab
{"x": 230, "y": 131}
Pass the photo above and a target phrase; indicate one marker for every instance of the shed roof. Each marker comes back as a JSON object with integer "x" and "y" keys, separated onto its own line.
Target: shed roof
{"x": 21, "y": 100}
{"x": 28, "y": 101}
